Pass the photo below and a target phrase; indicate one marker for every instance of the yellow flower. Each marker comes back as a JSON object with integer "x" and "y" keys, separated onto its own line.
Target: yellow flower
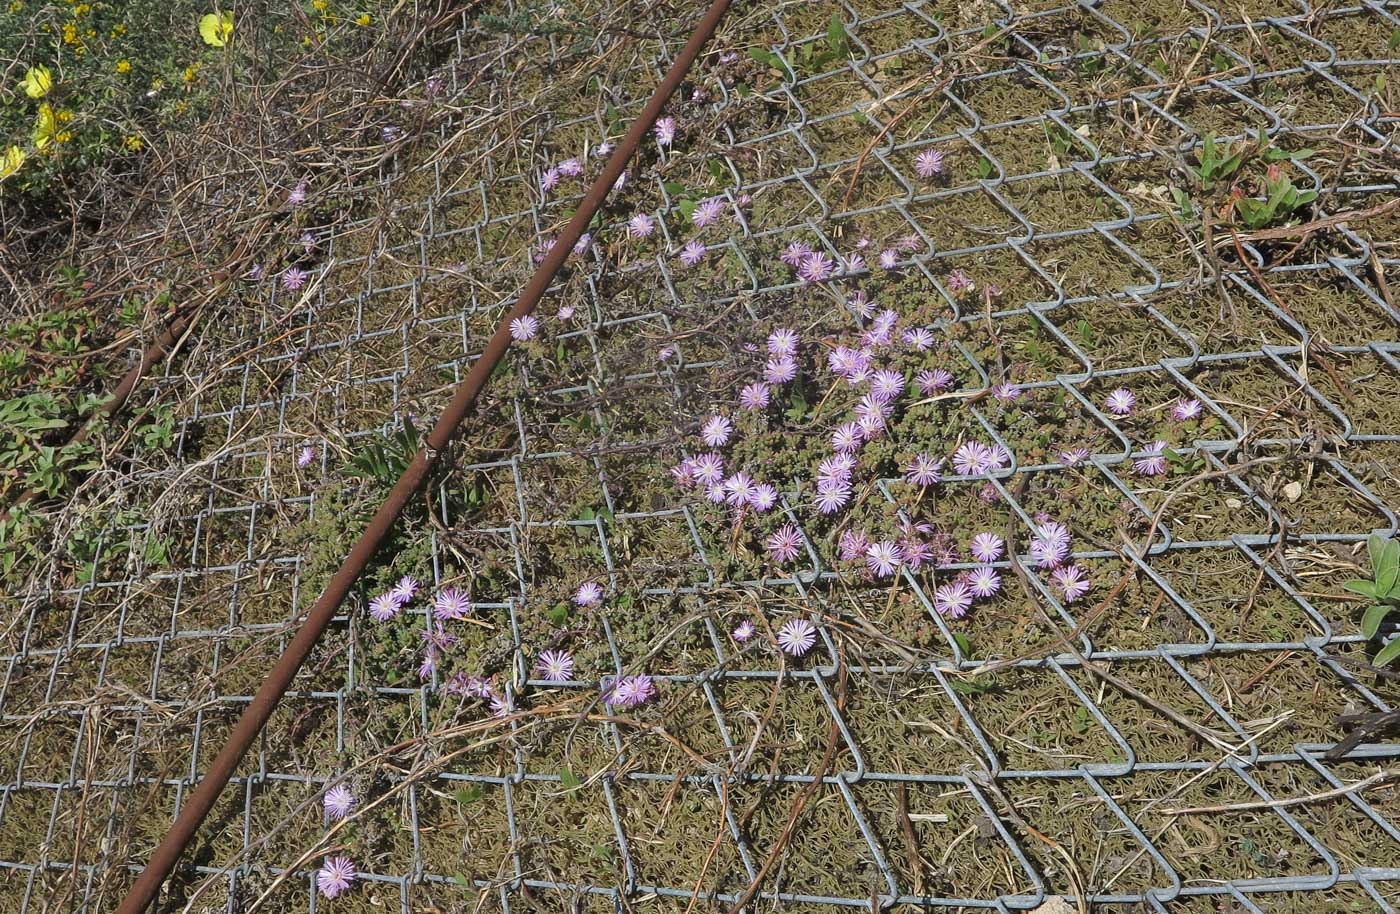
{"x": 16, "y": 6}
{"x": 133, "y": 143}
{"x": 65, "y": 136}
{"x": 64, "y": 115}
{"x": 191, "y": 72}
{"x": 118, "y": 30}
{"x": 37, "y": 82}
{"x": 216, "y": 30}
{"x": 123, "y": 66}
{"x": 11, "y": 161}
{"x": 45, "y": 126}
{"x": 362, "y": 19}
{"x": 81, "y": 8}
{"x": 320, "y": 5}
{"x": 70, "y": 33}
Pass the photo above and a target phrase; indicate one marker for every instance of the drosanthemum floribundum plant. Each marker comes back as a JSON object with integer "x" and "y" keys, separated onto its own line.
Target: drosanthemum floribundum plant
{"x": 983, "y": 581}
{"x": 452, "y": 603}
{"x": 406, "y": 589}
{"x": 306, "y": 456}
{"x": 1120, "y": 402}
{"x": 783, "y": 342}
{"x": 524, "y": 328}
{"x": 630, "y": 691}
{"x": 987, "y": 547}
{"x": 716, "y": 431}
{"x": 779, "y": 370}
{"x": 795, "y": 253}
{"x": 707, "y": 212}
{"x": 1071, "y": 582}
{"x": 555, "y": 666}
{"x": 953, "y": 600}
{"x": 294, "y": 278}
{"x": 1153, "y": 462}
{"x": 665, "y": 131}
{"x": 924, "y": 470}
{"x": 883, "y": 558}
{"x": 784, "y": 543}
{"x": 958, "y": 282}
{"x": 384, "y": 607}
{"x": 744, "y": 631}
{"x": 641, "y": 225}
{"x": 796, "y": 637}
{"x": 934, "y": 380}
{"x": 1073, "y": 457}
{"x": 816, "y": 267}
{"x": 754, "y": 396}
{"x": 692, "y": 253}
{"x": 589, "y": 593}
{"x": 764, "y": 497}
{"x": 338, "y": 801}
{"x": 336, "y": 875}
{"x": 1184, "y": 410}
{"x": 929, "y": 163}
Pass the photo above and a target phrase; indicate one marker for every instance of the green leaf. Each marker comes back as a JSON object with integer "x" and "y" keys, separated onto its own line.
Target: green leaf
{"x": 468, "y": 795}
{"x": 1362, "y": 586}
{"x": 969, "y": 686}
{"x": 1390, "y": 556}
{"x": 836, "y": 37}
{"x": 1371, "y": 619}
{"x": 686, "y": 207}
{"x": 1375, "y": 547}
{"x": 462, "y": 880}
{"x": 1388, "y": 653}
{"x": 674, "y": 188}
{"x": 558, "y": 613}
{"x": 716, "y": 168}
{"x": 569, "y": 779}
{"x": 1394, "y": 41}
{"x": 963, "y": 643}
{"x": 216, "y": 30}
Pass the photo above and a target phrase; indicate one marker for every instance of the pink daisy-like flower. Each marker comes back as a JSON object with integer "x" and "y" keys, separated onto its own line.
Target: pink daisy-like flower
{"x": 384, "y": 607}
{"x": 405, "y": 590}
{"x": 549, "y": 180}
{"x": 1073, "y": 457}
{"x": 919, "y": 339}
{"x": 972, "y": 458}
{"x": 665, "y": 353}
{"x": 816, "y": 267}
{"x": 570, "y": 168}
{"x": 958, "y": 281}
{"x": 500, "y": 707}
{"x": 708, "y": 468}
{"x": 665, "y": 131}
{"x": 853, "y": 545}
{"x": 854, "y": 263}
{"x": 953, "y": 600}
{"x": 716, "y": 431}
{"x": 929, "y": 163}
{"x": 294, "y": 278}
{"x": 754, "y": 396}
{"x": 583, "y": 242}
{"x": 565, "y": 313}
{"x": 1185, "y": 410}
{"x": 707, "y": 212}
{"x": 764, "y": 497}
{"x": 429, "y": 664}
{"x": 1071, "y": 582}
{"x": 984, "y": 581}
{"x": 779, "y": 370}
{"x": 1049, "y": 552}
{"x": 1006, "y": 393}
{"x": 438, "y": 638}
{"x": 555, "y": 666}
{"x": 641, "y": 225}
{"x": 924, "y": 470}
{"x": 883, "y": 558}
{"x": 338, "y": 801}
{"x": 1153, "y": 462}
{"x": 451, "y": 603}
{"x": 783, "y": 342}
{"x": 797, "y": 636}
{"x": 934, "y": 380}
{"x": 889, "y": 259}
{"x": 795, "y": 253}
{"x": 306, "y": 457}
{"x": 692, "y": 253}
{"x": 739, "y": 489}
{"x": 297, "y": 195}
{"x": 744, "y": 631}
{"x": 846, "y": 438}
{"x": 987, "y": 547}
{"x": 589, "y": 593}
{"x": 831, "y": 500}
{"x": 886, "y": 385}
{"x": 1120, "y": 402}
{"x": 603, "y": 149}
{"x": 524, "y": 328}
{"x": 336, "y": 875}
{"x": 784, "y": 544}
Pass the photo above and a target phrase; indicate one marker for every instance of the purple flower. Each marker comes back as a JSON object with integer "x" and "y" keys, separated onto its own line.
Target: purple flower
{"x": 716, "y": 431}
{"x": 833, "y": 499}
{"x": 1153, "y": 462}
{"x": 764, "y": 497}
{"x": 524, "y": 328}
{"x": 754, "y": 396}
{"x": 692, "y": 253}
{"x": 565, "y": 313}
{"x": 306, "y": 456}
{"x": 438, "y": 638}
{"x": 1006, "y": 393}
{"x": 984, "y": 581}
{"x": 929, "y": 163}
{"x": 588, "y": 594}
{"x": 603, "y": 149}
{"x": 1049, "y": 549}
{"x": 854, "y": 263}
{"x": 860, "y": 303}
{"x": 406, "y": 589}
{"x": 797, "y": 636}
{"x": 294, "y": 278}
{"x": 583, "y": 242}
{"x": 883, "y": 558}
{"x": 384, "y": 607}
{"x": 429, "y": 664}
{"x": 640, "y": 225}
{"x": 743, "y": 631}
{"x": 665, "y": 353}
{"x": 338, "y": 801}
{"x": 256, "y": 273}
{"x": 630, "y": 691}
{"x": 1071, "y": 582}
{"x": 958, "y": 281}
{"x": 987, "y": 547}
{"x": 783, "y": 343}
{"x": 886, "y": 384}
{"x": 1073, "y": 457}
{"x": 549, "y": 180}
{"x": 933, "y": 380}
{"x": 910, "y": 242}
{"x": 779, "y": 370}
{"x": 846, "y": 438}
{"x": 784, "y": 544}
{"x": 889, "y": 259}
{"x": 451, "y": 603}
{"x": 571, "y": 168}
{"x": 335, "y": 876}
{"x": 297, "y": 195}
{"x": 707, "y": 212}
{"x": 665, "y": 131}
{"x": 308, "y": 242}
{"x": 432, "y": 87}
{"x": 853, "y": 545}
{"x": 795, "y": 253}
{"x": 391, "y": 132}
{"x": 555, "y": 666}
{"x": 923, "y": 470}
{"x": 918, "y": 339}
{"x": 953, "y": 599}
{"x": 972, "y": 458}
{"x": 1121, "y": 401}
{"x": 739, "y": 489}
{"x": 1185, "y": 410}
{"x": 815, "y": 267}
{"x": 708, "y": 468}
{"x": 499, "y": 706}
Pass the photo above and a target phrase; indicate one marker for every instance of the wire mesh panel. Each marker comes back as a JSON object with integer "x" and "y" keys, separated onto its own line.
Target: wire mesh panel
{"x": 1064, "y": 206}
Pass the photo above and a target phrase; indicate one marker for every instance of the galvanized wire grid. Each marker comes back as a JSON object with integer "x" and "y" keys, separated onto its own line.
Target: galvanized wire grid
{"x": 138, "y": 672}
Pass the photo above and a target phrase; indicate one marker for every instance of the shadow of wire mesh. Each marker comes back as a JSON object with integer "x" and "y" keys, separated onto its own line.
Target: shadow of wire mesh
{"x": 117, "y": 692}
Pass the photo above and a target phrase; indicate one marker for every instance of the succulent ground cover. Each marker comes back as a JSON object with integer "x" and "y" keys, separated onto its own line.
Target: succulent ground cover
{"x": 943, "y": 476}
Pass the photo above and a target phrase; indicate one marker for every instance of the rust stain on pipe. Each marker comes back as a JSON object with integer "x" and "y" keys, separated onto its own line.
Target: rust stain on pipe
{"x": 144, "y": 890}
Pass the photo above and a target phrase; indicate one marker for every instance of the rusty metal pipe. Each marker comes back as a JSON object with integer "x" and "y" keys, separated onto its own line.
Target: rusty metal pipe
{"x": 143, "y": 891}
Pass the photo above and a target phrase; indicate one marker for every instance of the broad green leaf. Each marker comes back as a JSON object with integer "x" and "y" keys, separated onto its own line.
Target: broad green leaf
{"x": 216, "y": 29}
{"x": 11, "y": 161}
{"x": 1371, "y": 620}
{"x": 1387, "y": 653}
{"x": 1375, "y": 547}
{"x": 1362, "y": 586}
{"x": 963, "y": 643}
{"x": 1390, "y": 555}
{"x": 569, "y": 779}
{"x": 37, "y": 81}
